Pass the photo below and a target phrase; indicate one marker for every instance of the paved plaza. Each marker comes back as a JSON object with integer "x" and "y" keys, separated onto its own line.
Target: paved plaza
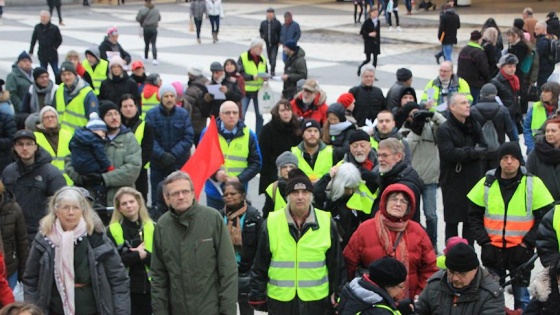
{"x": 329, "y": 37}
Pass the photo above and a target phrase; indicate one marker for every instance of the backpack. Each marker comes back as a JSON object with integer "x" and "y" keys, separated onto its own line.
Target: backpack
{"x": 528, "y": 62}
{"x": 490, "y": 134}
{"x": 554, "y": 53}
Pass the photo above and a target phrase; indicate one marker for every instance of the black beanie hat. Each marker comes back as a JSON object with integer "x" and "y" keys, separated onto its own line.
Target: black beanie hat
{"x": 358, "y": 135}
{"x": 513, "y": 149}
{"x": 339, "y": 110}
{"x": 387, "y": 272}
{"x": 461, "y": 258}
{"x": 106, "y": 106}
{"x": 310, "y": 123}
{"x": 38, "y": 71}
{"x": 298, "y": 180}
{"x": 408, "y": 107}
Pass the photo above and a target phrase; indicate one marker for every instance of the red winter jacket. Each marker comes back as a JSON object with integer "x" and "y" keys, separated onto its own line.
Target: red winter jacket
{"x": 317, "y": 111}
{"x": 365, "y": 247}
{"x": 6, "y": 295}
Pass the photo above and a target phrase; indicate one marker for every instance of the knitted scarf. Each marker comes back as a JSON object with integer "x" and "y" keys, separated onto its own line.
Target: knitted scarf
{"x": 547, "y": 153}
{"x": 234, "y": 226}
{"x": 36, "y": 90}
{"x": 384, "y": 227}
{"x": 512, "y": 79}
{"x": 63, "y": 242}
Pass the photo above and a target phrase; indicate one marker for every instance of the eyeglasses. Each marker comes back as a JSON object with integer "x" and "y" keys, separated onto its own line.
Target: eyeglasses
{"x": 230, "y": 113}
{"x": 25, "y": 144}
{"x": 385, "y": 155}
{"x": 399, "y": 200}
{"x": 178, "y": 193}
{"x": 308, "y": 91}
{"x": 68, "y": 208}
{"x": 230, "y": 194}
{"x": 451, "y": 274}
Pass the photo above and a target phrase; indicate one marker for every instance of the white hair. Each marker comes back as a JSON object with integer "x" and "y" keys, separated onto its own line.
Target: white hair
{"x": 347, "y": 176}
{"x": 255, "y": 42}
{"x": 45, "y": 12}
{"x": 366, "y": 68}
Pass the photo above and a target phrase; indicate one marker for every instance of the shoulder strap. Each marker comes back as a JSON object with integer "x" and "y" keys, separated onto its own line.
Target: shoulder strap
{"x": 397, "y": 241}
{"x": 274, "y": 188}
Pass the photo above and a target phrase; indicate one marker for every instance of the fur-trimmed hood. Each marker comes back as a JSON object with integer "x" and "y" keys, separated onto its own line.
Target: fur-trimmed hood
{"x": 540, "y": 287}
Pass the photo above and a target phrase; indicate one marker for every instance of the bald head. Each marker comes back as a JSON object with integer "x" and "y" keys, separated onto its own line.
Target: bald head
{"x": 445, "y": 71}
{"x": 229, "y": 114}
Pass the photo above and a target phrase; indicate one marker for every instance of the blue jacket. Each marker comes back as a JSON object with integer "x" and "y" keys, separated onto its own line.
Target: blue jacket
{"x": 173, "y": 133}
{"x": 88, "y": 152}
{"x": 254, "y": 160}
{"x": 527, "y": 132}
{"x": 290, "y": 32}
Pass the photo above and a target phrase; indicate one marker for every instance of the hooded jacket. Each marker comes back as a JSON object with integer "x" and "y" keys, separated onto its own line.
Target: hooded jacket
{"x": 296, "y": 69}
{"x": 32, "y": 186}
{"x": 361, "y": 296}
{"x": 106, "y": 46}
{"x": 547, "y": 240}
{"x": 14, "y": 234}
{"x": 113, "y": 88}
{"x": 545, "y": 294}
{"x": 109, "y": 281}
{"x": 7, "y": 131}
{"x": 17, "y": 83}
{"x": 365, "y": 246}
{"x": 317, "y": 110}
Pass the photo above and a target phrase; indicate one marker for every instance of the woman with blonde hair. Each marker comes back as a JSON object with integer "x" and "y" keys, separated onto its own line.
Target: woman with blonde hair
{"x": 72, "y": 267}
{"x": 74, "y": 57}
{"x": 131, "y": 229}
{"x": 489, "y": 44}
{"x": 21, "y": 308}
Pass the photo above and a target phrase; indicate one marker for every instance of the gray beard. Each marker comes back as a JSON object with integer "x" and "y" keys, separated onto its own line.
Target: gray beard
{"x": 360, "y": 158}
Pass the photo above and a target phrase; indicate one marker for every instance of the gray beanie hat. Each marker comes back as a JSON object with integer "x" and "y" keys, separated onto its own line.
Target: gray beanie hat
{"x": 47, "y": 109}
{"x": 488, "y": 90}
{"x": 166, "y": 88}
{"x": 286, "y": 157}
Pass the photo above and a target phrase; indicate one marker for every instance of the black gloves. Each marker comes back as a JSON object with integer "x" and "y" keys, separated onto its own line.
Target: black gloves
{"x": 93, "y": 179}
{"x": 478, "y": 153}
{"x": 489, "y": 255}
{"x": 406, "y": 307}
{"x": 417, "y": 126}
{"x": 258, "y": 301}
{"x": 167, "y": 159}
{"x": 422, "y": 114}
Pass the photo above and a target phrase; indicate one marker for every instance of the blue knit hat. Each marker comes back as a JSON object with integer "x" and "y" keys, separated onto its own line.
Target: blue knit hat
{"x": 24, "y": 55}
{"x": 95, "y": 123}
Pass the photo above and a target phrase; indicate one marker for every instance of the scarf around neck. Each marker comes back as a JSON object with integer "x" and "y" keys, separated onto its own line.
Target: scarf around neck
{"x": 47, "y": 91}
{"x": 63, "y": 242}
{"x": 234, "y": 226}
{"x": 547, "y": 153}
{"x": 512, "y": 79}
{"x": 336, "y": 129}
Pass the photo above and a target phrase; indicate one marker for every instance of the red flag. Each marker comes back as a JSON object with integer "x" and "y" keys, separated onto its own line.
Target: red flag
{"x": 207, "y": 158}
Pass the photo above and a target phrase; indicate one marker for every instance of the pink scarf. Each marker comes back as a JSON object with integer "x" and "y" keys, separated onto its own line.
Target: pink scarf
{"x": 64, "y": 261}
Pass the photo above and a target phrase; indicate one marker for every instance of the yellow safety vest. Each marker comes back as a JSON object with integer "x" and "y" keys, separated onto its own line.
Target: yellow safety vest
{"x": 147, "y": 237}
{"x": 462, "y": 87}
{"x": 509, "y": 229}
{"x": 279, "y": 201}
{"x": 252, "y": 69}
{"x": 298, "y": 268}
{"x": 139, "y": 135}
{"x": 97, "y": 75}
{"x": 63, "y": 150}
{"x": 148, "y": 103}
{"x": 73, "y": 114}
{"x": 322, "y": 165}
{"x": 236, "y": 153}
{"x": 556, "y": 224}
{"x": 539, "y": 117}
{"x": 362, "y": 199}
{"x": 394, "y": 312}
{"x": 374, "y": 143}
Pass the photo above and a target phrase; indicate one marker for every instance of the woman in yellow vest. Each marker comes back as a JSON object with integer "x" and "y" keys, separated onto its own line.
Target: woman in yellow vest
{"x": 132, "y": 230}
{"x": 275, "y": 193}
{"x": 244, "y": 224}
{"x": 540, "y": 112}
{"x": 375, "y": 293}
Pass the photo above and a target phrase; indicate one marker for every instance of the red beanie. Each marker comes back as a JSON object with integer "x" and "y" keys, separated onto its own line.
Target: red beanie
{"x": 346, "y": 99}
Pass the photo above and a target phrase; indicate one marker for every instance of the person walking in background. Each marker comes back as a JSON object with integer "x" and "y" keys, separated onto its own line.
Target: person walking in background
{"x": 197, "y": 10}
{"x": 449, "y": 22}
{"x": 546, "y": 65}
{"x": 370, "y": 32}
{"x": 394, "y": 10}
{"x": 290, "y": 31}
{"x": 552, "y": 24}
{"x": 215, "y": 12}
{"x": 50, "y": 39}
{"x": 2, "y": 4}
{"x": 472, "y": 65}
{"x": 148, "y": 17}
{"x": 110, "y": 47}
{"x": 295, "y": 69}
{"x": 270, "y": 31}
{"x": 55, "y": 4}
{"x": 358, "y": 4}
{"x": 19, "y": 80}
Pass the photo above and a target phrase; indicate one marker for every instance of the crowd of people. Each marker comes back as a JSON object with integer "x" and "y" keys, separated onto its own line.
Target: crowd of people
{"x": 82, "y": 153}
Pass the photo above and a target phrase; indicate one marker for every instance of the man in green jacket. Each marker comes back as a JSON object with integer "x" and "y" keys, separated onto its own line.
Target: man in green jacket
{"x": 194, "y": 270}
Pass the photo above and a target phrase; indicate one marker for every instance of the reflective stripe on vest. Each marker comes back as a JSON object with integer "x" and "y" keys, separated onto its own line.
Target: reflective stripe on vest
{"x": 322, "y": 166}
{"x": 279, "y": 202}
{"x": 139, "y": 135}
{"x": 97, "y": 75}
{"x": 236, "y": 153}
{"x": 63, "y": 150}
{"x": 556, "y": 224}
{"x": 362, "y": 199}
{"x": 251, "y": 68}
{"x": 374, "y": 143}
{"x": 462, "y": 87}
{"x": 519, "y": 218}
{"x": 394, "y": 312}
{"x": 148, "y": 103}
{"x": 147, "y": 237}
{"x": 73, "y": 115}
{"x": 298, "y": 268}
{"x": 539, "y": 117}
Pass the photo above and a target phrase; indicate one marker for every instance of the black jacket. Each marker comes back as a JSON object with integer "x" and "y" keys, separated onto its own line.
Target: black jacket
{"x": 372, "y": 45}
{"x": 106, "y": 46}
{"x": 492, "y": 55}
{"x": 460, "y": 166}
{"x": 360, "y": 297}
{"x": 449, "y": 22}
{"x": 520, "y": 50}
{"x": 553, "y": 26}
{"x": 472, "y": 65}
{"x": 508, "y": 96}
{"x": 545, "y": 295}
{"x": 233, "y": 94}
{"x": 547, "y": 240}
{"x": 7, "y": 131}
{"x": 369, "y": 102}
{"x": 49, "y": 38}
{"x": 136, "y": 267}
{"x": 32, "y": 186}
{"x": 295, "y": 68}
{"x": 270, "y": 31}
{"x": 14, "y": 235}
{"x": 250, "y": 236}
{"x": 113, "y": 88}
{"x": 544, "y": 163}
{"x": 543, "y": 50}
{"x": 147, "y": 144}
{"x": 275, "y": 138}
